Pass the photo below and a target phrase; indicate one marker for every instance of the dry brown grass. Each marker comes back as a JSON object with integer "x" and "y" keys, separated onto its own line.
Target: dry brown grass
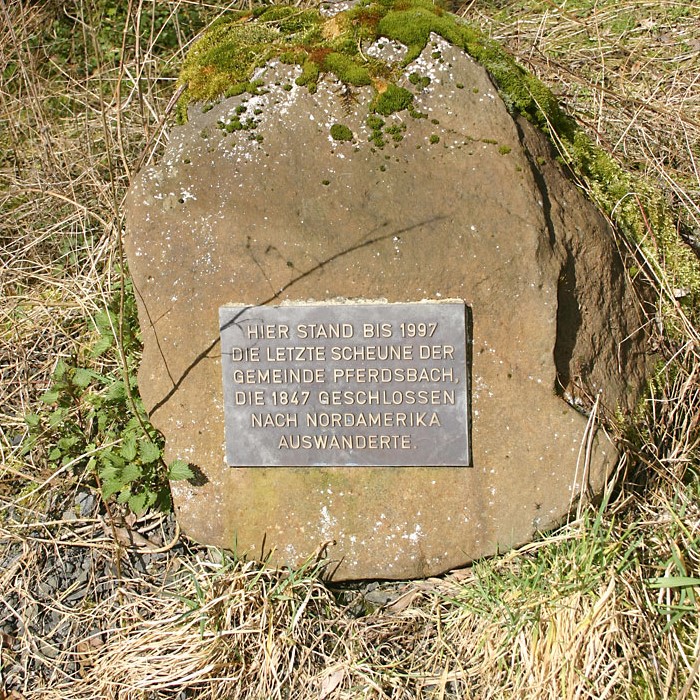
{"x": 607, "y": 607}
{"x": 627, "y": 71}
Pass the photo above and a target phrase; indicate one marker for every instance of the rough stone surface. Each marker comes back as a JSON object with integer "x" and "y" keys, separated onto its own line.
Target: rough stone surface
{"x": 484, "y": 215}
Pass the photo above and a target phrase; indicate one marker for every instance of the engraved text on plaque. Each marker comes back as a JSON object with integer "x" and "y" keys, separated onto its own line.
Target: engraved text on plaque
{"x": 362, "y": 384}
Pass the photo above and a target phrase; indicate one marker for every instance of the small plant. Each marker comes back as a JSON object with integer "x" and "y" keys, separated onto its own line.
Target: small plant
{"x": 95, "y": 423}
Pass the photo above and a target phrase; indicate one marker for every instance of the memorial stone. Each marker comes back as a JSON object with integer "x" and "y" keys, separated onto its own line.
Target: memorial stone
{"x": 377, "y": 336}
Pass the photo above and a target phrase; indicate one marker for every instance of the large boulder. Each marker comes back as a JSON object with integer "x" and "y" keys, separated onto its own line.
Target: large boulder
{"x": 468, "y": 203}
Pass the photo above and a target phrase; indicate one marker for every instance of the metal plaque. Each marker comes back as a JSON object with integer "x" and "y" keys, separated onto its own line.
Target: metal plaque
{"x": 361, "y": 384}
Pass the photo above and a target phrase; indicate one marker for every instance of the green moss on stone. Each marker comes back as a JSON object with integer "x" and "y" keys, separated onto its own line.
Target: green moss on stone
{"x": 419, "y": 80}
{"x": 240, "y": 88}
{"x": 396, "y": 131}
{"x": 347, "y": 69}
{"x": 393, "y": 99}
{"x": 411, "y": 23}
{"x": 340, "y": 132}
{"x": 642, "y": 211}
{"x": 375, "y": 123}
{"x": 310, "y": 74}
{"x": 224, "y": 60}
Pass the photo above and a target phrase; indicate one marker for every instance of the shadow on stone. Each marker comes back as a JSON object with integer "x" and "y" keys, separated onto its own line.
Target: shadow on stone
{"x": 568, "y": 324}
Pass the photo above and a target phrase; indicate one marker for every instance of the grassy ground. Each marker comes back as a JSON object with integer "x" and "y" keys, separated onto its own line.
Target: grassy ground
{"x": 98, "y": 602}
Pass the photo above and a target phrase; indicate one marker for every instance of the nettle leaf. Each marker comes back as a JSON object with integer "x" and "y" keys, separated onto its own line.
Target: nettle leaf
{"x": 109, "y": 473}
{"x": 108, "y": 457}
{"x": 57, "y": 417}
{"x": 149, "y": 451}
{"x": 50, "y": 396}
{"x": 180, "y": 470}
{"x": 60, "y": 371}
{"x": 111, "y": 487}
{"x": 65, "y": 443}
{"x": 116, "y": 391}
{"x": 138, "y": 502}
{"x": 131, "y": 472}
{"x": 132, "y": 424}
{"x": 105, "y": 322}
{"x": 128, "y": 450}
{"x": 124, "y": 496}
{"x": 32, "y": 420}
{"x": 82, "y": 377}
{"x": 103, "y": 420}
{"x": 102, "y": 345}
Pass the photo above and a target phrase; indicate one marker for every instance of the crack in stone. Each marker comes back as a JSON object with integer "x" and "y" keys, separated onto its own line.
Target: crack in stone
{"x": 347, "y": 251}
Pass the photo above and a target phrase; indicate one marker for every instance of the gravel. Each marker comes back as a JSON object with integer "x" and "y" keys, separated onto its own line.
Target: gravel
{"x": 61, "y": 584}
{"x": 56, "y": 578}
